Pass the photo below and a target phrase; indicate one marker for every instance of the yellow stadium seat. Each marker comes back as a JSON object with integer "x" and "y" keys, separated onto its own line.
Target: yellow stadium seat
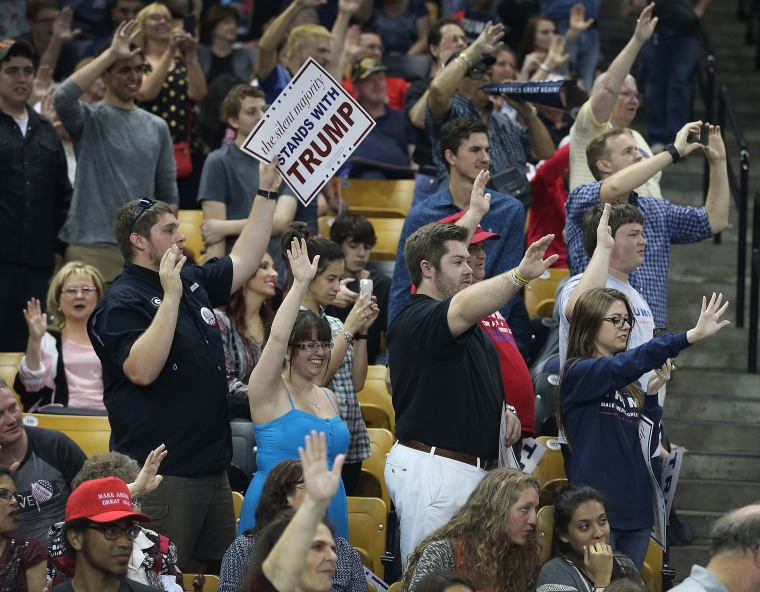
{"x": 367, "y": 519}
{"x": 237, "y": 504}
{"x": 372, "y": 479}
{"x": 190, "y": 226}
{"x": 396, "y": 587}
{"x": 541, "y": 292}
{"x": 545, "y": 531}
{"x": 651, "y": 571}
{"x": 377, "y": 405}
{"x": 388, "y": 232}
{"x": 385, "y": 198}
{"x": 91, "y": 432}
{"x": 324, "y": 224}
{"x": 9, "y": 362}
{"x": 376, "y": 372}
{"x": 200, "y": 582}
{"x": 552, "y": 465}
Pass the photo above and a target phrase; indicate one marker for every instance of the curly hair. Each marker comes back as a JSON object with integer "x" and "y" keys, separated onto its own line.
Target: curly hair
{"x": 480, "y": 525}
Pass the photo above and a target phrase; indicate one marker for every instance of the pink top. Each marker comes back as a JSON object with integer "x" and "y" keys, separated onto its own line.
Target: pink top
{"x": 84, "y": 375}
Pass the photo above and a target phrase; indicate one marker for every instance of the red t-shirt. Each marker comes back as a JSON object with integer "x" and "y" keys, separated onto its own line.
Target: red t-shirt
{"x": 396, "y": 90}
{"x": 518, "y": 386}
{"x": 547, "y": 213}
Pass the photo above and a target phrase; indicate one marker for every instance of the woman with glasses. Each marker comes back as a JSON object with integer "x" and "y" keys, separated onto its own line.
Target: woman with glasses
{"x": 286, "y": 403}
{"x": 22, "y": 561}
{"x": 601, "y": 403}
{"x": 347, "y": 368}
{"x": 60, "y": 366}
{"x": 284, "y": 490}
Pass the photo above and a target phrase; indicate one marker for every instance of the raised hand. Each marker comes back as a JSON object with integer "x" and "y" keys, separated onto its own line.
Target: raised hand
{"x": 62, "y": 27}
{"x": 480, "y": 201}
{"x": 349, "y": 6}
{"x": 556, "y": 55}
{"x": 122, "y": 39}
{"x": 360, "y": 313}
{"x": 371, "y": 316}
{"x": 682, "y": 143}
{"x": 269, "y": 177}
{"x": 43, "y": 84}
{"x": 169, "y": 272}
{"x": 715, "y": 149}
{"x": 148, "y": 479}
{"x": 660, "y": 377}
{"x": 598, "y": 560}
{"x": 303, "y": 271}
{"x": 604, "y": 239}
{"x": 578, "y": 22}
{"x": 490, "y": 38}
{"x": 533, "y": 264}
{"x": 36, "y": 320}
{"x": 709, "y": 322}
{"x": 321, "y": 483}
{"x": 645, "y": 24}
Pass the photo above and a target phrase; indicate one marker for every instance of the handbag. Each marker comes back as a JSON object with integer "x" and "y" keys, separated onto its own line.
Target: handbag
{"x": 513, "y": 181}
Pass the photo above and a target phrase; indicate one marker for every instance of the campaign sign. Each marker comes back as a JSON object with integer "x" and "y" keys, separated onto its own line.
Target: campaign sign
{"x": 312, "y": 128}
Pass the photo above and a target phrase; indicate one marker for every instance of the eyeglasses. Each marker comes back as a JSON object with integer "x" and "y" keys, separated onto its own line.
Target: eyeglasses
{"x": 617, "y": 322}
{"x": 8, "y": 495}
{"x": 143, "y": 205}
{"x": 310, "y": 346}
{"x": 85, "y": 291}
{"x": 478, "y": 73}
{"x": 113, "y": 532}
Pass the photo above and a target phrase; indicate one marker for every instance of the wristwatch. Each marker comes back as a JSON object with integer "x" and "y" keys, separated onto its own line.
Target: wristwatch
{"x": 268, "y": 194}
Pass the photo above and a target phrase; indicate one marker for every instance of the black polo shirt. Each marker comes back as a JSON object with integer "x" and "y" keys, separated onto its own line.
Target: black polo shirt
{"x": 186, "y": 406}
{"x": 447, "y": 391}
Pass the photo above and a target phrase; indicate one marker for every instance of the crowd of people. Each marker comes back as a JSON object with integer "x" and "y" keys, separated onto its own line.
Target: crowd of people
{"x": 114, "y": 116}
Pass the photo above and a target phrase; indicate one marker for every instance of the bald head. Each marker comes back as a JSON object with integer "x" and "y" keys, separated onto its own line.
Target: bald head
{"x": 737, "y": 532}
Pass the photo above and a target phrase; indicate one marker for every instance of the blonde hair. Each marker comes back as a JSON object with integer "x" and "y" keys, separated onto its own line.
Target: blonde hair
{"x": 153, "y": 8}
{"x": 480, "y": 526}
{"x": 302, "y": 34}
{"x": 58, "y": 321}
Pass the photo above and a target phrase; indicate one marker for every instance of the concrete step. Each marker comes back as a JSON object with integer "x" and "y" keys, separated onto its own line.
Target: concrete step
{"x": 715, "y": 436}
{"x": 733, "y": 466}
{"x": 682, "y": 558}
{"x": 731, "y": 410}
{"x": 730, "y": 387}
{"x": 715, "y": 495}
{"x": 701, "y": 522}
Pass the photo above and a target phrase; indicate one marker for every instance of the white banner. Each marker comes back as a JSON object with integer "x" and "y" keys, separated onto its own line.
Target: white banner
{"x": 646, "y": 428}
{"x": 312, "y": 128}
{"x": 671, "y": 468}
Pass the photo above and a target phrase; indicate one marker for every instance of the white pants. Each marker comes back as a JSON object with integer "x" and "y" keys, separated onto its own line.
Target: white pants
{"x": 426, "y": 490}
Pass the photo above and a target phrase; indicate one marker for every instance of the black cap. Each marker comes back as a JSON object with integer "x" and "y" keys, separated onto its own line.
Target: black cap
{"x": 10, "y": 48}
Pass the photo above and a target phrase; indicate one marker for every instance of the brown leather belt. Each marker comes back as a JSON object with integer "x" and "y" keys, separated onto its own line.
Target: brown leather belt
{"x": 486, "y": 464}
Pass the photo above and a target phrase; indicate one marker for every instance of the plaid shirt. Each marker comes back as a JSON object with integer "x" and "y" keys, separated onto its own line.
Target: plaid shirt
{"x": 509, "y": 141}
{"x": 665, "y": 224}
{"x": 343, "y": 386}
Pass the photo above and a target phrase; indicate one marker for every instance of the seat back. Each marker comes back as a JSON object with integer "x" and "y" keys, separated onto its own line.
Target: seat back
{"x": 545, "y": 531}
{"x": 190, "y": 226}
{"x": 651, "y": 571}
{"x": 385, "y": 198}
{"x": 237, "y": 505}
{"x": 552, "y": 465}
{"x": 377, "y": 405}
{"x": 372, "y": 478}
{"x": 367, "y": 520}
{"x": 541, "y": 292}
{"x": 388, "y": 232}
{"x": 91, "y": 432}
{"x": 9, "y": 362}
{"x": 243, "y": 446}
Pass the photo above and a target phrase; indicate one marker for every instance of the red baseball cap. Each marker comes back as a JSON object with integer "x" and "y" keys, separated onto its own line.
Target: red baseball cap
{"x": 480, "y": 234}
{"x": 102, "y": 500}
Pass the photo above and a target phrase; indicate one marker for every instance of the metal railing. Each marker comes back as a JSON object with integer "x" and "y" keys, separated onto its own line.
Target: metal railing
{"x": 754, "y": 288}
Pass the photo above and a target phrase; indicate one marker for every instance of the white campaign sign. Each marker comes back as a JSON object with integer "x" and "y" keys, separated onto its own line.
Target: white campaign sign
{"x": 312, "y": 127}
{"x": 646, "y": 429}
{"x": 671, "y": 468}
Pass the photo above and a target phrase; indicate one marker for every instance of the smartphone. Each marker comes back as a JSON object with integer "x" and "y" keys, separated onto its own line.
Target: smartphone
{"x": 365, "y": 287}
{"x": 188, "y": 24}
{"x": 703, "y": 138}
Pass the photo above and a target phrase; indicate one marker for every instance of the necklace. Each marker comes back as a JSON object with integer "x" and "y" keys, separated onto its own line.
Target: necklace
{"x": 314, "y": 402}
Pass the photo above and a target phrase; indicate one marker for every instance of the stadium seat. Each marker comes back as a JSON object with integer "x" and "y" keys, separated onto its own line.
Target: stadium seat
{"x": 545, "y": 531}
{"x": 651, "y": 571}
{"x": 237, "y": 504}
{"x": 388, "y": 231}
{"x": 367, "y": 519}
{"x": 9, "y": 362}
{"x": 372, "y": 479}
{"x": 324, "y": 223}
{"x": 243, "y": 446}
{"x": 376, "y": 372}
{"x": 200, "y": 582}
{"x": 552, "y": 465}
{"x": 541, "y": 292}
{"x": 378, "y": 198}
{"x": 190, "y": 226}
{"x": 91, "y": 432}
{"x": 396, "y": 587}
{"x": 377, "y": 405}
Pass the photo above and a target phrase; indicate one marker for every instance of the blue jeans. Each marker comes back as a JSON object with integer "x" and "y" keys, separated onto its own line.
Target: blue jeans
{"x": 670, "y": 63}
{"x": 633, "y": 543}
{"x": 585, "y": 54}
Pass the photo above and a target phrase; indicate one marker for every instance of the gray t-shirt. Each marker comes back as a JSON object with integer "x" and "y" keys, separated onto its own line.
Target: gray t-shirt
{"x": 122, "y": 155}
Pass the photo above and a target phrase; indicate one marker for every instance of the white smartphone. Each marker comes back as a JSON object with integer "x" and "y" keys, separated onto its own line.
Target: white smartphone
{"x": 365, "y": 287}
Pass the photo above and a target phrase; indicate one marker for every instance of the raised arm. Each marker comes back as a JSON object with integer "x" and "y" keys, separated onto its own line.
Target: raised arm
{"x": 480, "y": 203}
{"x": 444, "y": 85}
{"x": 62, "y": 33}
{"x": 154, "y": 80}
{"x": 263, "y": 386}
{"x": 624, "y": 181}
{"x": 486, "y": 297}
{"x": 595, "y": 274}
{"x": 119, "y": 50}
{"x": 149, "y": 353}
{"x": 284, "y": 564}
{"x": 604, "y": 97}
{"x": 346, "y": 9}
{"x": 250, "y": 246}
{"x": 718, "y": 194}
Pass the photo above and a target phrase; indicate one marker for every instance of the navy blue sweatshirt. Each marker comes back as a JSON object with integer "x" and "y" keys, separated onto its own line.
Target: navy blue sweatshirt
{"x": 601, "y": 421}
